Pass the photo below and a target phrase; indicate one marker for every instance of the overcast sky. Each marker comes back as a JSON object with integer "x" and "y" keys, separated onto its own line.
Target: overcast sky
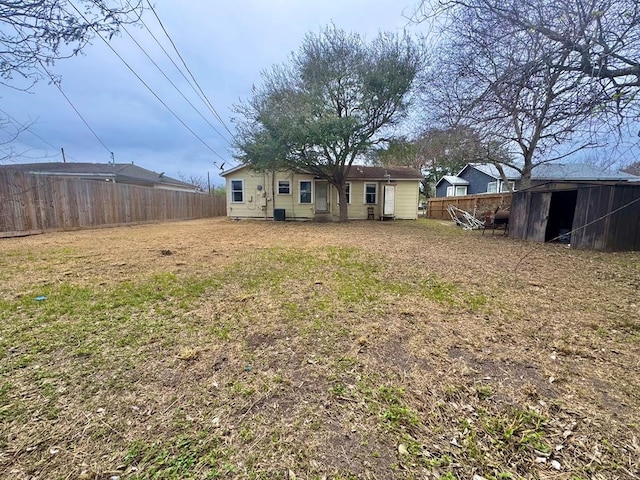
{"x": 225, "y": 44}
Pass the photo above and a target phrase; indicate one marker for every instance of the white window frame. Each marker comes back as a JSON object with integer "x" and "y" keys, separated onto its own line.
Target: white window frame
{"x": 503, "y": 186}
{"x": 375, "y": 193}
{"x": 232, "y": 191}
{"x": 288, "y": 182}
{"x": 492, "y": 187}
{"x": 310, "y": 182}
{"x": 450, "y": 191}
{"x": 463, "y": 189}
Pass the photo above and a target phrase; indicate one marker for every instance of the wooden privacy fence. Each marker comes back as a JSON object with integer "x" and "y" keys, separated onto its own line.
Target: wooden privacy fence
{"x": 33, "y": 204}
{"x": 437, "y": 207}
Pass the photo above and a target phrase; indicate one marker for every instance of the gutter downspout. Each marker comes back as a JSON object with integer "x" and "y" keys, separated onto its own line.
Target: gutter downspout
{"x": 273, "y": 194}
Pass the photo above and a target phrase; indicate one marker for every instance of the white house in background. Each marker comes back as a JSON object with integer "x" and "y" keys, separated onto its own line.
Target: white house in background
{"x": 372, "y": 193}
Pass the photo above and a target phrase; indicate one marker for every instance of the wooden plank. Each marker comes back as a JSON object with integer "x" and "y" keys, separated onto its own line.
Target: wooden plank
{"x": 595, "y": 222}
{"x": 519, "y": 215}
{"x": 583, "y": 200}
{"x": 625, "y": 223}
{"x": 538, "y": 216}
{"x": 31, "y": 203}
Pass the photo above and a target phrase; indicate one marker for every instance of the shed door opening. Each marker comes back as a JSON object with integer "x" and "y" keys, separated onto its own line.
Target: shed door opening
{"x": 561, "y": 212}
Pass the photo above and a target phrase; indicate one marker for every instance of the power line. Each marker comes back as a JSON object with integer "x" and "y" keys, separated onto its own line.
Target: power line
{"x": 57, "y": 84}
{"x": 189, "y": 82}
{"x": 32, "y": 132}
{"x": 28, "y": 129}
{"x": 147, "y": 86}
{"x": 173, "y": 84}
{"x": 189, "y": 71}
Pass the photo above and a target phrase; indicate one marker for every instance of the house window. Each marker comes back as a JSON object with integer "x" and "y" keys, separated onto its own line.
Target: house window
{"x": 492, "y": 187}
{"x": 461, "y": 191}
{"x": 370, "y": 193}
{"x": 284, "y": 187}
{"x": 504, "y": 187}
{"x": 237, "y": 191}
{"x": 450, "y": 191}
{"x": 305, "y": 192}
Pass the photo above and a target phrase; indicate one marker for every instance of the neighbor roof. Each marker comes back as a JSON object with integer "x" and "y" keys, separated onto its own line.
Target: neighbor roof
{"x": 556, "y": 171}
{"x": 453, "y": 180}
{"x": 362, "y": 172}
{"x": 120, "y": 172}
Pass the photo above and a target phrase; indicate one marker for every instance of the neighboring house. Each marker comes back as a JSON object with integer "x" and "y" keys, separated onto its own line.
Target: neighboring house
{"x": 372, "y": 193}
{"x": 109, "y": 172}
{"x": 477, "y": 178}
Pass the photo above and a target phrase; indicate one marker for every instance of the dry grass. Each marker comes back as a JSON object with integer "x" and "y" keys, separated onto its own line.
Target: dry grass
{"x": 220, "y": 349}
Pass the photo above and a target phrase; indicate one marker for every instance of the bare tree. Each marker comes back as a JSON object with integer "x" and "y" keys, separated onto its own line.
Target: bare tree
{"x": 536, "y": 74}
{"x": 197, "y": 181}
{"x": 39, "y": 32}
{"x": 633, "y": 168}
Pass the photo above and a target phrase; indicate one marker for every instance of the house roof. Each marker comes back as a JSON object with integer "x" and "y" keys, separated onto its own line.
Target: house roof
{"x": 119, "y": 172}
{"x": 556, "y": 171}
{"x": 453, "y": 180}
{"x": 363, "y": 172}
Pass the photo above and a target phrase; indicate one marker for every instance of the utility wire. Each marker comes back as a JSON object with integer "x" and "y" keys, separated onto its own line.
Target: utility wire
{"x": 147, "y": 86}
{"x": 30, "y": 130}
{"x": 189, "y": 71}
{"x": 189, "y": 82}
{"x": 173, "y": 84}
{"x": 57, "y": 84}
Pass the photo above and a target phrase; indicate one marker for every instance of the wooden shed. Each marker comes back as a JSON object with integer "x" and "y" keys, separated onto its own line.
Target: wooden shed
{"x": 591, "y": 216}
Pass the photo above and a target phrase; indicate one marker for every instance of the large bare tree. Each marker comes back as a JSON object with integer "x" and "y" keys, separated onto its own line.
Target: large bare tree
{"x": 539, "y": 75}
{"x": 34, "y": 33}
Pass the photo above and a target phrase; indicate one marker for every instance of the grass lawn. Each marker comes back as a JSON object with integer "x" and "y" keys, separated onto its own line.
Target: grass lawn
{"x": 267, "y": 350}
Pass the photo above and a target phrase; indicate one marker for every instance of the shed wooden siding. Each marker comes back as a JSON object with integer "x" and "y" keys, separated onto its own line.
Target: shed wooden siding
{"x": 594, "y": 226}
{"x": 619, "y": 231}
{"x": 437, "y": 207}
{"x": 34, "y": 203}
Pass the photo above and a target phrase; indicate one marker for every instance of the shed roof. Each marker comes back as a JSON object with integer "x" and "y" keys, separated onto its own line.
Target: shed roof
{"x": 558, "y": 171}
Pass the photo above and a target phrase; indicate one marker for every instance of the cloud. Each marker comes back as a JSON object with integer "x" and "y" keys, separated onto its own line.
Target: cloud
{"x": 225, "y": 44}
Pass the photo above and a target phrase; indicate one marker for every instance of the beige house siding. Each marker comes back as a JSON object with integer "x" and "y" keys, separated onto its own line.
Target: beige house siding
{"x": 261, "y": 195}
{"x": 407, "y": 198}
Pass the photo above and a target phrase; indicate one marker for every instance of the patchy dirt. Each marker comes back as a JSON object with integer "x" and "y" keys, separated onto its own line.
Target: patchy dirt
{"x": 303, "y": 350}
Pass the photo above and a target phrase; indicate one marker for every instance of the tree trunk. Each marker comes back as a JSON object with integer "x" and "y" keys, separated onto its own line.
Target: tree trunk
{"x": 342, "y": 199}
{"x": 525, "y": 179}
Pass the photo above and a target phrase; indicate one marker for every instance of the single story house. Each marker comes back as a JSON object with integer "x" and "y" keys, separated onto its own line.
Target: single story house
{"x": 591, "y": 216}
{"x": 372, "y": 193}
{"x": 127, "y": 173}
{"x": 476, "y": 178}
